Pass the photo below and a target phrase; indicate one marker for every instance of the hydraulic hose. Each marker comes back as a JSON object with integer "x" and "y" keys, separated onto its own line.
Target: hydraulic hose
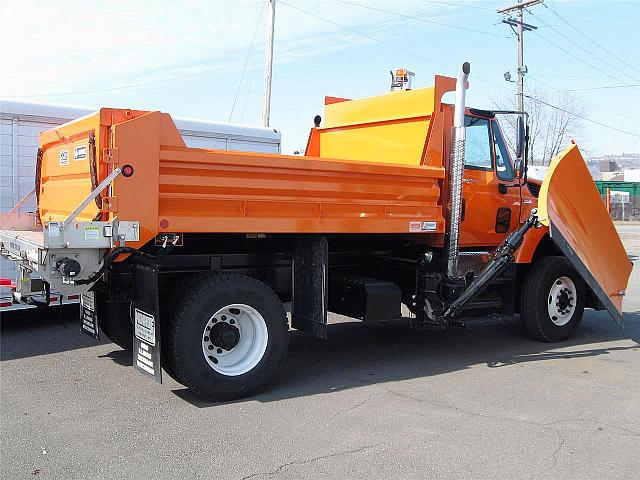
{"x": 93, "y": 172}
{"x": 108, "y": 260}
{"x": 37, "y": 185}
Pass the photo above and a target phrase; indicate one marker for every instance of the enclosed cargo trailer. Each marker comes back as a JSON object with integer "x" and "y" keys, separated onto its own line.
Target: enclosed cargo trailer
{"x": 20, "y": 126}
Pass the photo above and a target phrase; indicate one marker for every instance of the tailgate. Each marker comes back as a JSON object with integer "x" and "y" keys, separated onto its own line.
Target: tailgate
{"x": 571, "y": 206}
{"x": 75, "y": 158}
{"x": 67, "y": 155}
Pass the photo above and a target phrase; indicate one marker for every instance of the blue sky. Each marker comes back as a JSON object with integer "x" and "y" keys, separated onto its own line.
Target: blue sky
{"x": 188, "y": 57}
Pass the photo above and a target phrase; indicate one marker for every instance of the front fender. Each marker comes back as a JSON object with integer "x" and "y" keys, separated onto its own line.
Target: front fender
{"x": 530, "y": 244}
{"x": 571, "y": 207}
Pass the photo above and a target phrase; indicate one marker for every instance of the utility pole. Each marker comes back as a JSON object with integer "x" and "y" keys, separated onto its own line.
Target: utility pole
{"x": 520, "y": 28}
{"x": 268, "y": 67}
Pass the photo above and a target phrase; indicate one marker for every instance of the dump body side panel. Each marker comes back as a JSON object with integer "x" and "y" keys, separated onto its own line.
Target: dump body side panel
{"x": 216, "y": 191}
{"x": 570, "y": 205}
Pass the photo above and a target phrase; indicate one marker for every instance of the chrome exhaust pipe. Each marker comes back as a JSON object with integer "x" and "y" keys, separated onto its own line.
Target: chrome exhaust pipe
{"x": 456, "y": 166}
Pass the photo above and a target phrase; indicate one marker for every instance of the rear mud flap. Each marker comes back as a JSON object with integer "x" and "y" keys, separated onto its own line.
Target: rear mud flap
{"x": 146, "y": 321}
{"x": 579, "y": 224}
{"x": 310, "y": 289}
{"x": 89, "y": 315}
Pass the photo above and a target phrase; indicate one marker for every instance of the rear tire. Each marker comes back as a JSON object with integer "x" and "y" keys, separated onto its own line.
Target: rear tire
{"x": 228, "y": 337}
{"x": 116, "y": 324}
{"x": 552, "y": 299}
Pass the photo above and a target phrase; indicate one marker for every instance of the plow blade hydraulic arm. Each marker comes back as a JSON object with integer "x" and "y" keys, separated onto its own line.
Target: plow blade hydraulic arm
{"x": 501, "y": 260}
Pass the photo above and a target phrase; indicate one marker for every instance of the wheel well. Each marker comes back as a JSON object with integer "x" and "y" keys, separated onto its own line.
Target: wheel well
{"x": 547, "y": 247}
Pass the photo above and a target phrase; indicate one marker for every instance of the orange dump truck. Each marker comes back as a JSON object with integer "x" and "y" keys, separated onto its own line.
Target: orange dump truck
{"x": 187, "y": 255}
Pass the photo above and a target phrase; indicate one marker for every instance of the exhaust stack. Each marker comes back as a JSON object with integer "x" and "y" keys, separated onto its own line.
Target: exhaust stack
{"x": 457, "y": 171}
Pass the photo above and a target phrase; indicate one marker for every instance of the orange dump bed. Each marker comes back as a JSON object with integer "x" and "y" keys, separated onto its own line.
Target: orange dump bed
{"x": 391, "y": 185}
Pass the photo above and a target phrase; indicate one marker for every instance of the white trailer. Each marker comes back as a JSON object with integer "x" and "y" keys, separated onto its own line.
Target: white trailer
{"x": 20, "y": 127}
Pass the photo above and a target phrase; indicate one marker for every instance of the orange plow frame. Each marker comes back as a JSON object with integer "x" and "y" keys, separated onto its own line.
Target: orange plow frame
{"x": 578, "y": 221}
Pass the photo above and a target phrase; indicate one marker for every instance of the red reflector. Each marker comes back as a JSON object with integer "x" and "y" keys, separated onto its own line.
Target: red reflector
{"x": 6, "y": 304}
{"x": 73, "y": 297}
{"x": 53, "y": 299}
{"x": 7, "y": 282}
{"x": 127, "y": 171}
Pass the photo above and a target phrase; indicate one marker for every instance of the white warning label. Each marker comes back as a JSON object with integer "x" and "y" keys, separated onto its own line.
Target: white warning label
{"x": 64, "y": 157}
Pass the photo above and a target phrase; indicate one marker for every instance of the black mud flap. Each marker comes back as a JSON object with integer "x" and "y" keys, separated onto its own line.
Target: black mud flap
{"x": 89, "y": 315}
{"x": 309, "y": 298}
{"x": 146, "y": 321}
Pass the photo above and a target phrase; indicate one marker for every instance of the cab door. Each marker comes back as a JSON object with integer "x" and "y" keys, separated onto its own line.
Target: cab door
{"x": 490, "y": 211}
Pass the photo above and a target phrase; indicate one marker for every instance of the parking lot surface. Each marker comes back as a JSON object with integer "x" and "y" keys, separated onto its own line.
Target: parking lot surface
{"x": 481, "y": 401}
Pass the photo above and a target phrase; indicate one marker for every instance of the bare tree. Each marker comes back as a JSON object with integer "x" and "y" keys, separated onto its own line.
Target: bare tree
{"x": 554, "y": 119}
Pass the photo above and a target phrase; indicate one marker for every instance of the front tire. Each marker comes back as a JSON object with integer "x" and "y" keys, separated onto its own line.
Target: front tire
{"x": 552, "y": 299}
{"x": 228, "y": 337}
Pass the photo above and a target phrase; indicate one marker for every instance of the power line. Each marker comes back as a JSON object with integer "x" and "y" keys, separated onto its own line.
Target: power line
{"x": 593, "y": 41}
{"x": 591, "y": 54}
{"x": 246, "y": 60}
{"x": 582, "y": 117}
{"x": 571, "y": 76}
{"x": 599, "y": 19}
{"x": 461, "y": 5}
{"x": 246, "y": 98}
{"x": 365, "y": 35}
{"x": 576, "y": 57}
{"x": 200, "y": 73}
{"x": 601, "y": 88}
{"x": 449, "y": 68}
{"x": 585, "y": 102}
{"x": 121, "y": 87}
{"x": 421, "y": 19}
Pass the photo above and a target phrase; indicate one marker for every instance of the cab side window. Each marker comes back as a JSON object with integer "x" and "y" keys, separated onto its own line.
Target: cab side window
{"x": 478, "y": 147}
{"x": 504, "y": 167}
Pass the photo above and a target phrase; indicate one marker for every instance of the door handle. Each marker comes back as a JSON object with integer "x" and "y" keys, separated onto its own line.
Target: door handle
{"x": 503, "y": 188}
{"x": 468, "y": 180}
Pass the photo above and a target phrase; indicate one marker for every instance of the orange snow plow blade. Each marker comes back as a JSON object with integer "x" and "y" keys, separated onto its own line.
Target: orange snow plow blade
{"x": 570, "y": 205}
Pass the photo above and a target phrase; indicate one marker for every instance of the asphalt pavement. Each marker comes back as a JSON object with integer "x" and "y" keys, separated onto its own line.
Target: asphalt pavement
{"x": 482, "y": 401}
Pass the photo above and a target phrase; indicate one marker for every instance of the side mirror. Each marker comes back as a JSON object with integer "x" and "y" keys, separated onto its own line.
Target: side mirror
{"x": 518, "y": 166}
{"x": 521, "y": 138}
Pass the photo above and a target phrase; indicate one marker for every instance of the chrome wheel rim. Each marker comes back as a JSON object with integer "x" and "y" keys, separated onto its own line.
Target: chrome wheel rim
{"x": 235, "y": 339}
{"x": 561, "y": 303}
